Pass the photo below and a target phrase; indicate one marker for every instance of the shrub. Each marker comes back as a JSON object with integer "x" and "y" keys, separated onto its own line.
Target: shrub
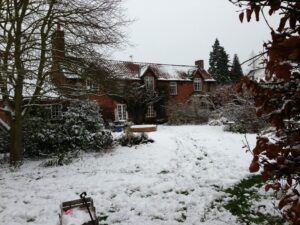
{"x": 60, "y": 159}
{"x": 81, "y": 129}
{"x": 237, "y": 108}
{"x": 236, "y": 128}
{"x": 196, "y": 111}
{"x": 129, "y": 139}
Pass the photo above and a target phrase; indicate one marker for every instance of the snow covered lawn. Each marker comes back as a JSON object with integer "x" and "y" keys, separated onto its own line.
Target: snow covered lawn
{"x": 171, "y": 181}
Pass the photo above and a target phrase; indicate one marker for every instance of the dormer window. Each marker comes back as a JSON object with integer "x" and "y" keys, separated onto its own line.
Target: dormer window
{"x": 149, "y": 82}
{"x": 197, "y": 84}
{"x": 173, "y": 88}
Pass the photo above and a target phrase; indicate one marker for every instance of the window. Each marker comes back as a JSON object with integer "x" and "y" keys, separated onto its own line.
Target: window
{"x": 197, "y": 84}
{"x": 92, "y": 85}
{"x": 149, "y": 82}
{"x": 121, "y": 112}
{"x": 173, "y": 88}
{"x": 150, "y": 112}
{"x": 55, "y": 111}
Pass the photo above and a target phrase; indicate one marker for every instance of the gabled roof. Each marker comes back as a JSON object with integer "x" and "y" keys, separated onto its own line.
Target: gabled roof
{"x": 205, "y": 75}
{"x": 136, "y": 70}
{"x": 257, "y": 74}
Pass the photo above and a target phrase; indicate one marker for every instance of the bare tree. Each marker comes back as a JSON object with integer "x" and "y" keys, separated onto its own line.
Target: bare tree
{"x": 91, "y": 27}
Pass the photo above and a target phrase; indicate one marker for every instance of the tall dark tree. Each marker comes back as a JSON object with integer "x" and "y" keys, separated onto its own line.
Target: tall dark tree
{"x": 218, "y": 63}
{"x": 236, "y": 72}
{"x": 277, "y": 153}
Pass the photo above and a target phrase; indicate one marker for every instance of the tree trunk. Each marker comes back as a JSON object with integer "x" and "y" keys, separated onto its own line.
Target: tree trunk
{"x": 16, "y": 140}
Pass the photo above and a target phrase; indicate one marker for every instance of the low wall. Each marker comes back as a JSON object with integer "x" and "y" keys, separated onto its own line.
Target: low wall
{"x": 143, "y": 128}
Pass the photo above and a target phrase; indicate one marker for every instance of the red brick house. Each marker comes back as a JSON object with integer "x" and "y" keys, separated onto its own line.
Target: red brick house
{"x": 180, "y": 82}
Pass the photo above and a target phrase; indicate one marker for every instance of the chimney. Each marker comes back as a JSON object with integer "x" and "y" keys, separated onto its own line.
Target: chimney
{"x": 199, "y": 64}
{"x": 58, "y": 44}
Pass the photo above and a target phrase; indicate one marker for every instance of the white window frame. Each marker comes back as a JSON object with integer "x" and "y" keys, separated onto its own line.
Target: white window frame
{"x": 197, "y": 84}
{"x": 122, "y": 112}
{"x": 55, "y": 111}
{"x": 150, "y": 112}
{"x": 173, "y": 88}
{"x": 149, "y": 82}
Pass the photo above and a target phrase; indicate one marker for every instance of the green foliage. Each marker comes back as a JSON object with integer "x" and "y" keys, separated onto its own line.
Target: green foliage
{"x": 60, "y": 159}
{"x": 81, "y": 129}
{"x": 159, "y": 106}
{"x": 241, "y": 194}
{"x": 218, "y": 63}
{"x": 245, "y": 201}
{"x": 241, "y": 197}
{"x": 236, "y": 72}
{"x": 237, "y": 128}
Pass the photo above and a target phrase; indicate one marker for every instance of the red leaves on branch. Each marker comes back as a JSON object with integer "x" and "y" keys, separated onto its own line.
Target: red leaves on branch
{"x": 273, "y": 151}
{"x": 293, "y": 21}
{"x": 248, "y": 14}
{"x": 274, "y": 4}
{"x": 254, "y": 167}
{"x": 277, "y": 99}
{"x": 257, "y": 10}
{"x": 282, "y": 23}
{"x": 253, "y": 8}
{"x": 275, "y": 187}
{"x": 241, "y": 16}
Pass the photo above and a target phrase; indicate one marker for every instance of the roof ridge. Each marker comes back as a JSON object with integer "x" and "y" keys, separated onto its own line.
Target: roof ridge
{"x": 151, "y": 63}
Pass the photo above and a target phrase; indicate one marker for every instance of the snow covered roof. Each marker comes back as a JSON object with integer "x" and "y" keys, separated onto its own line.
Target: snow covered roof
{"x": 205, "y": 75}
{"x": 136, "y": 70}
{"x": 257, "y": 74}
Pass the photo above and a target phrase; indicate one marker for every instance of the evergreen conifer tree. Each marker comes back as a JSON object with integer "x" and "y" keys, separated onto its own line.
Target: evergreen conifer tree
{"x": 236, "y": 72}
{"x": 218, "y": 63}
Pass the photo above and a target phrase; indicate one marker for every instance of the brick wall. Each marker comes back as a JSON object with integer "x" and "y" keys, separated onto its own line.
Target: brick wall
{"x": 107, "y": 106}
{"x": 184, "y": 91}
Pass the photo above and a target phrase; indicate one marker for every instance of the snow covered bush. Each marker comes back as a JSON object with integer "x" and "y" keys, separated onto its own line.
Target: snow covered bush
{"x": 196, "y": 111}
{"x": 60, "y": 159}
{"x": 83, "y": 125}
{"x": 129, "y": 139}
{"x": 237, "y": 108}
{"x": 81, "y": 129}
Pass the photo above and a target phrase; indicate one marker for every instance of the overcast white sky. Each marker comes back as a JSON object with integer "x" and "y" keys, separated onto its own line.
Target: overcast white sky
{"x": 182, "y": 31}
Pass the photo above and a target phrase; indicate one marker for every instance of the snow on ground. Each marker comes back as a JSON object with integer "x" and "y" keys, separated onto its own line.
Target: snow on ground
{"x": 168, "y": 182}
